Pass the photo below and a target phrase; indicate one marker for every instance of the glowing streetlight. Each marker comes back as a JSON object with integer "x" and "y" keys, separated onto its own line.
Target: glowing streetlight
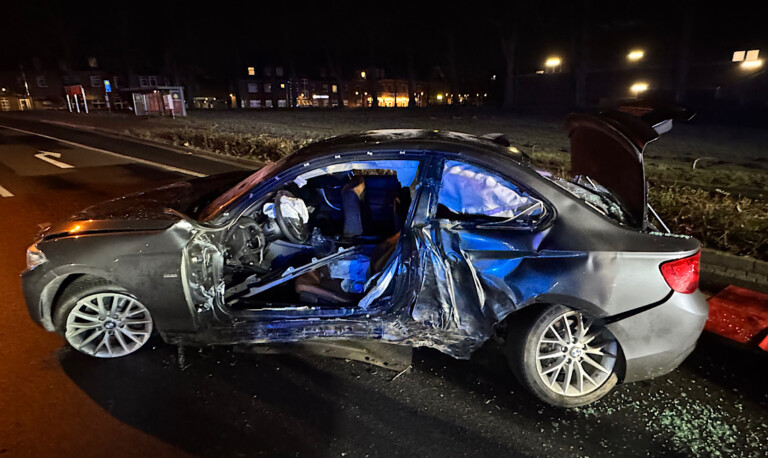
{"x": 362, "y": 75}
{"x": 552, "y": 62}
{"x": 635, "y": 55}
{"x": 439, "y": 96}
{"x": 638, "y": 88}
{"x": 751, "y": 64}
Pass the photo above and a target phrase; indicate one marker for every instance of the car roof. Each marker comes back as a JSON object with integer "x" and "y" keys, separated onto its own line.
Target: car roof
{"x": 389, "y": 140}
{"x": 412, "y": 140}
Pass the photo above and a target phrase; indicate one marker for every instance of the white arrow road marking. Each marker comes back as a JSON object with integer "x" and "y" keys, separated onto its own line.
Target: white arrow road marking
{"x": 112, "y": 153}
{"x": 46, "y": 156}
{"x": 5, "y": 193}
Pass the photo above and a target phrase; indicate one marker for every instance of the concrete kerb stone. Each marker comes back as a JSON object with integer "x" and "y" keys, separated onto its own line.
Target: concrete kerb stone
{"x": 745, "y": 263}
{"x": 744, "y": 271}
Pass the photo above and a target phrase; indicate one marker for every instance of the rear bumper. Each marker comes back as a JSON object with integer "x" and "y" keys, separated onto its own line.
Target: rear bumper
{"x": 656, "y": 341}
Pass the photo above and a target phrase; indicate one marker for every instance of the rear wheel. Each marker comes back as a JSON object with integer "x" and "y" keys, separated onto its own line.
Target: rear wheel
{"x": 102, "y": 320}
{"x": 563, "y": 356}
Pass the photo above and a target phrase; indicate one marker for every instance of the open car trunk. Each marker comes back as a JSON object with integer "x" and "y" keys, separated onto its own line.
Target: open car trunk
{"x": 608, "y": 148}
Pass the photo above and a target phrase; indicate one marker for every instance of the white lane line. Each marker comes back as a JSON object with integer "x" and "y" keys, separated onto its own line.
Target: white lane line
{"x": 5, "y": 193}
{"x": 111, "y": 153}
{"x": 47, "y": 157}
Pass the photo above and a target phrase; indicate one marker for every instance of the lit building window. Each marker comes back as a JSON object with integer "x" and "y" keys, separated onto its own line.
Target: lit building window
{"x": 334, "y": 89}
{"x": 253, "y": 88}
{"x": 251, "y": 71}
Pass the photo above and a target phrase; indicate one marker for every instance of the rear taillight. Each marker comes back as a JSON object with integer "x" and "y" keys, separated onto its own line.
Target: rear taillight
{"x": 682, "y": 275}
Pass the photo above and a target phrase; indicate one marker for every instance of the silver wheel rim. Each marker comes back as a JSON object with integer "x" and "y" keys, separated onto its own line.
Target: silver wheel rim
{"x": 574, "y": 356}
{"x": 108, "y": 325}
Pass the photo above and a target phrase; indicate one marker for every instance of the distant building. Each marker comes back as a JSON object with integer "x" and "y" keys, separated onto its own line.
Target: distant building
{"x": 272, "y": 91}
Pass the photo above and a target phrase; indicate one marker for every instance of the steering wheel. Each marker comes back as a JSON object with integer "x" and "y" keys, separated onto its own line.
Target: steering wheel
{"x": 293, "y": 227}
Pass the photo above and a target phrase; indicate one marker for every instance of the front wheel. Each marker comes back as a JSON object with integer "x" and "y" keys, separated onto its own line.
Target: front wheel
{"x": 564, "y": 357}
{"x": 102, "y": 320}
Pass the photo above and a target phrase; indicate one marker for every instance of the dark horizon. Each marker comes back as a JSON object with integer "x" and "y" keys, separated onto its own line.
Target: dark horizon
{"x": 219, "y": 42}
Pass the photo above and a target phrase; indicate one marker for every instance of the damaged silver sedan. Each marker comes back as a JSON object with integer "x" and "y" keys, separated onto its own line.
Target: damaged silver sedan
{"x": 417, "y": 238}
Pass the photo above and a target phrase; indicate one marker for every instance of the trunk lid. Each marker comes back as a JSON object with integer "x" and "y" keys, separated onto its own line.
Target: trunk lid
{"x": 608, "y": 147}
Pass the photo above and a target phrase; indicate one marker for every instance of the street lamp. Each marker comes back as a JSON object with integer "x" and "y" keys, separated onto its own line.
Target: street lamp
{"x": 750, "y": 65}
{"x": 552, "y": 63}
{"x": 638, "y": 88}
{"x": 635, "y": 55}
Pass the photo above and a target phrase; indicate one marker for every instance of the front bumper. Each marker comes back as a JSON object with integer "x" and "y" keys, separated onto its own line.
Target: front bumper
{"x": 37, "y": 284}
{"x": 656, "y": 341}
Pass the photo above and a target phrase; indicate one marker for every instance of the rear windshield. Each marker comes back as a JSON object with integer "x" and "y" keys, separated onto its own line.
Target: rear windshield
{"x": 593, "y": 194}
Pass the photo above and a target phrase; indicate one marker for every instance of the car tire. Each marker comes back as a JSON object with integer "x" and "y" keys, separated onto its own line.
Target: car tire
{"x": 101, "y": 319}
{"x": 562, "y": 356}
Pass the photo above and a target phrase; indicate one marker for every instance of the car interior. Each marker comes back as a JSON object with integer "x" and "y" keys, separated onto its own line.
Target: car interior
{"x": 322, "y": 240}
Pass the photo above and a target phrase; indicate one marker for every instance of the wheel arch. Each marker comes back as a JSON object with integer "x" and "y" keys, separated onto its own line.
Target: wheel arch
{"x": 56, "y": 289}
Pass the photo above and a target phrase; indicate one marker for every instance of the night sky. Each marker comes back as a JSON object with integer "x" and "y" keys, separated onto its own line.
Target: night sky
{"x": 218, "y": 40}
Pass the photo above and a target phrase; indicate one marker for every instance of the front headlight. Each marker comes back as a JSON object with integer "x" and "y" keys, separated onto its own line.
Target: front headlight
{"x": 35, "y": 257}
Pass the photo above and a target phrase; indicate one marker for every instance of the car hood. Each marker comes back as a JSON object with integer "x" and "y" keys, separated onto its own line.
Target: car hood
{"x": 150, "y": 209}
{"x": 608, "y": 147}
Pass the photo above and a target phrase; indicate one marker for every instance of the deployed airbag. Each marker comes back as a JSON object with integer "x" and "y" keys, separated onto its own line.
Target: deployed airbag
{"x": 468, "y": 189}
{"x": 290, "y": 207}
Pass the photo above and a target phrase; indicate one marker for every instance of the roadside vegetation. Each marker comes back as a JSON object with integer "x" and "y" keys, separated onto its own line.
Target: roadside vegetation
{"x": 722, "y": 200}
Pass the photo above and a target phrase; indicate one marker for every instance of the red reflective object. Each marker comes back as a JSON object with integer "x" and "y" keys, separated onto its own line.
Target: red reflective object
{"x": 741, "y": 315}
{"x": 682, "y": 275}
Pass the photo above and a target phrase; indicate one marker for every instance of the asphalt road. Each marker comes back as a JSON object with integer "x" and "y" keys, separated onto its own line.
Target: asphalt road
{"x": 57, "y": 402}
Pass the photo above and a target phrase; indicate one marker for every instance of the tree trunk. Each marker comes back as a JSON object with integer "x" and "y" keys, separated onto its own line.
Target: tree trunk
{"x": 684, "y": 53}
{"x": 411, "y": 80}
{"x": 581, "y": 52}
{"x": 509, "y": 45}
{"x": 453, "y": 75}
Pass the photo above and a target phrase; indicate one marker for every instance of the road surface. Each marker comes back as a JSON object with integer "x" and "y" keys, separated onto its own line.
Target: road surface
{"x": 57, "y": 402}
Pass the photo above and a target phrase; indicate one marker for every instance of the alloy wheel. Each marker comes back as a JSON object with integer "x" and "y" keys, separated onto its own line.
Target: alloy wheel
{"x": 108, "y": 325}
{"x": 574, "y": 355}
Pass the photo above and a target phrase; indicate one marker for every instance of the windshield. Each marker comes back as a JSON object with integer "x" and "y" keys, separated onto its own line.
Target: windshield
{"x": 236, "y": 192}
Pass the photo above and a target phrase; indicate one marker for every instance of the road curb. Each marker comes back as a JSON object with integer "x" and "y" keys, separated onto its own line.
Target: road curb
{"x": 720, "y": 269}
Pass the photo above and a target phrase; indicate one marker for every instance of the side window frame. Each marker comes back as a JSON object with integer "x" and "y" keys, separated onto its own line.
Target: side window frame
{"x": 489, "y": 222}
{"x": 290, "y": 174}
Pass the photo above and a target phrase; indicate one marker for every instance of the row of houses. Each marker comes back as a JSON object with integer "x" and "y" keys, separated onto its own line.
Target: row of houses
{"x": 305, "y": 92}
{"x": 143, "y": 94}
{"x": 29, "y": 90}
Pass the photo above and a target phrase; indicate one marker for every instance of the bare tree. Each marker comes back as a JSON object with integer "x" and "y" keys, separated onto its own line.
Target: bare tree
{"x": 508, "y": 31}
{"x": 411, "y": 78}
{"x": 333, "y": 59}
{"x": 687, "y": 10}
{"x": 580, "y": 43}
{"x": 453, "y": 75}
